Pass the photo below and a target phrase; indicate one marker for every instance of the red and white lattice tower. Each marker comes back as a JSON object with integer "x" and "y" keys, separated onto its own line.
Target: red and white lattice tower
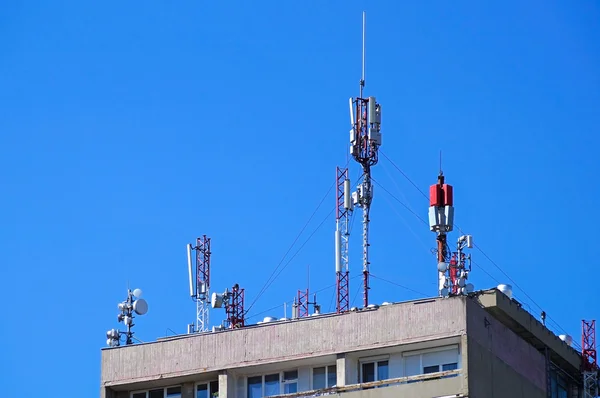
{"x": 234, "y": 308}
{"x": 589, "y": 365}
{"x": 453, "y": 267}
{"x": 302, "y": 303}
{"x": 343, "y": 203}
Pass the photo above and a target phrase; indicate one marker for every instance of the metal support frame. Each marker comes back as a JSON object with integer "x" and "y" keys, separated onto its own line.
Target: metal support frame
{"x": 202, "y": 283}
{"x": 342, "y": 219}
{"x": 235, "y": 308}
{"x": 303, "y": 302}
{"x": 589, "y": 366}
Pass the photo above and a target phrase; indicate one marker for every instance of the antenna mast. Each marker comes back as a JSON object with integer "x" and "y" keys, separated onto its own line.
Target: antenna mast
{"x": 202, "y": 292}
{"x": 343, "y": 203}
{"x": 453, "y": 268}
{"x": 365, "y": 139}
{"x": 590, "y": 361}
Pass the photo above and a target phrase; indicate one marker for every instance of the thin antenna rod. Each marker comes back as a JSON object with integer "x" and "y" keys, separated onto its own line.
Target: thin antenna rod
{"x": 440, "y": 161}
{"x": 364, "y": 29}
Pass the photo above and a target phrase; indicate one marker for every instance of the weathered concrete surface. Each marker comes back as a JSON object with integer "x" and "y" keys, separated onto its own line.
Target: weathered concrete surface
{"x": 270, "y": 343}
{"x": 501, "y": 364}
{"x": 521, "y": 322}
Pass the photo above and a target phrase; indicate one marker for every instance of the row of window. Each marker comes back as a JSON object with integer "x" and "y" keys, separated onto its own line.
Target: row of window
{"x": 203, "y": 390}
{"x": 286, "y": 382}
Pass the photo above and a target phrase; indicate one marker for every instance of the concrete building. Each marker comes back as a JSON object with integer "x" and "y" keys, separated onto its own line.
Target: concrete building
{"x": 480, "y": 346}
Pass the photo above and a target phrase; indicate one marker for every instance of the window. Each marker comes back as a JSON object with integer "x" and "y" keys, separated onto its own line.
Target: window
{"x": 431, "y": 361}
{"x": 290, "y": 382}
{"x": 324, "y": 377}
{"x": 558, "y": 385}
{"x": 207, "y": 390}
{"x": 374, "y": 371}
{"x": 169, "y": 392}
{"x": 273, "y": 384}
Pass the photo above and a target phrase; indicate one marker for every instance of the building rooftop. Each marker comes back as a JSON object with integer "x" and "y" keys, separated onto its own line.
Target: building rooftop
{"x": 416, "y": 323}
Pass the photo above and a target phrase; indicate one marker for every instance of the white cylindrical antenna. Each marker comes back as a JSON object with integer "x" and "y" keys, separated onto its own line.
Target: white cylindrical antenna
{"x": 285, "y": 310}
{"x": 347, "y": 194}
{"x": 351, "y": 103}
{"x": 190, "y": 274}
{"x": 338, "y": 251}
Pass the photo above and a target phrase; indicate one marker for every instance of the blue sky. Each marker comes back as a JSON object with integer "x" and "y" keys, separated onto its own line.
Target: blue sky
{"x": 129, "y": 128}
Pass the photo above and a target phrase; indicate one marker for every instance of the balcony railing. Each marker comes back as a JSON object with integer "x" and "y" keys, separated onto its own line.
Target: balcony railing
{"x": 374, "y": 384}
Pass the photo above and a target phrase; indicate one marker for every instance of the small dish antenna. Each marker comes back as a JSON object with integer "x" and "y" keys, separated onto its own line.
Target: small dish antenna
{"x": 140, "y": 306}
{"x": 132, "y": 304}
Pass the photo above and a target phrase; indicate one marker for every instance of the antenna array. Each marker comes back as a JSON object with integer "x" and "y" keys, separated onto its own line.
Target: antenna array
{"x": 453, "y": 268}
{"x": 365, "y": 140}
{"x": 132, "y": 304}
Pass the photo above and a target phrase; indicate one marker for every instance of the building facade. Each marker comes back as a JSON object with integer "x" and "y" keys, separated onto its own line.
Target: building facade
{"x": 480, "y": 346}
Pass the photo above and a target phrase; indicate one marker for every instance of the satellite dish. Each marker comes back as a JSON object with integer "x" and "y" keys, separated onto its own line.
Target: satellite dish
{"x": 216, "y": 300}
{"x": 137, "y": 293}
{"x": 469, "y": 288}
{"x": 442, "y": 267}
{"x": 140, "y": 306}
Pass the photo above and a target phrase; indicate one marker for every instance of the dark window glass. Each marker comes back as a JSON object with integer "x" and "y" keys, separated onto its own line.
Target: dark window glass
{"x": 272, "y": 385}
{"x": 331, "y": 376}
{"x": 159, "y": 393}
{"x": 174, "y": 392}
{"x": 319, "y": 378}
{"x": 139, "y": 395}
{"x": 214, "y": 388}
{"x": 255, "y": 387}
{"x": 290, "y": 375}
{"x": 431, "y": 369}
{"x": 382, "y": 370}
{"x": 449, "y": 366}
{"x": 368, "y": 372}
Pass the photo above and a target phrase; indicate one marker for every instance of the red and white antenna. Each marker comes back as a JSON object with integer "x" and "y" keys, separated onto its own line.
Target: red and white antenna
{"x": 343, "y": 204}
{"x": 589, "y": 367}
{"x": 201, "y": 293}
{"x": 453, "y": 267}
{"x": 365, "y": 139}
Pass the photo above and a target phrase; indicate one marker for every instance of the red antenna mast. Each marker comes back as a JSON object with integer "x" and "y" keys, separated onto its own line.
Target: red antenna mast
{"x": 343, "y": 204}
{"x": 589, "y": 365}
{"x": 453, "y": 268}
{"x": 235, "y": 308}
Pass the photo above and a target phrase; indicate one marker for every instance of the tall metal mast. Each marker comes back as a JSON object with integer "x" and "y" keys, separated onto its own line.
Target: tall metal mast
{"x": 453, "y": 267}
{"x": 343, "y": 207}
{"x": 365, "y": 139}
{"x": 201, "y": 294}
{"x": 590, "y": 361}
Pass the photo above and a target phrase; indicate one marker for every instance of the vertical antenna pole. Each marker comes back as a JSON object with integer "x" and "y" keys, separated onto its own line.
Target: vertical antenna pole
{"x": 365, "y": 139}
{"x": 364, "y": 29}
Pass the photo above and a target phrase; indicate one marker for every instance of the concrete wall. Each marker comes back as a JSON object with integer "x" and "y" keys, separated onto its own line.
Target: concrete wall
{"x": 501, "y": 364}
{"x": 271, "y": 343}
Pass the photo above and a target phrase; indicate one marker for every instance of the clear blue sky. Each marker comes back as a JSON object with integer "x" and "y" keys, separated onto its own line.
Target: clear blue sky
{"x": 129, "y": 128}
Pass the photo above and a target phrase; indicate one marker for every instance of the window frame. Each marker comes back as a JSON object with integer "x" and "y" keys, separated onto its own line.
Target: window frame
{"x": 375, "y": 360}
{"x": 147, "y": 391}
{"x": 207, "y": 383}
{"x": 440, "y": 365}
{"x": 312, "y": 376}
{"x": 281, "y": 380}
